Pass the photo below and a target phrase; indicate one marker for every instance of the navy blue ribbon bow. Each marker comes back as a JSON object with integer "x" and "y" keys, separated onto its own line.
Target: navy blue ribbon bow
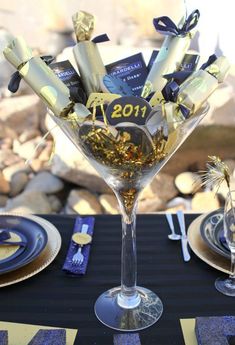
{"x": 181, "y": 76}
{"x": 170, "y": 93}
{"x": 14, "y": 82}
{"x": 100, "y": 38}
{"x": 210, "y": 60}
{"x": 166, "y": 26}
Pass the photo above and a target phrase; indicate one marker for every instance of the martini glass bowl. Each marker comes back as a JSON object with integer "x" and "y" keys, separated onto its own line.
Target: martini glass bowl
{"x": 128, "y": 156}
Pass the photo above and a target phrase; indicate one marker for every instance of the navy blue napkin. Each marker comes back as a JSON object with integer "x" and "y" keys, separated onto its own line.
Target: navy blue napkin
{"x": 4, "y": 337}
{"x": 126, "y": 339}
{"x": 49, "y": 337}
{"x": 215, "y": 330}
{"x": 69, "y": 266}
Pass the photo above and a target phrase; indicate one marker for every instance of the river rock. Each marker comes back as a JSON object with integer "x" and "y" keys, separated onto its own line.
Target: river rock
{"x": 205, "y": 202}
{"x": 68, "y": 210}
{"x": 18, "y": 182}
{"x": 55, "y": 203}
{"x": 69, "y": 164}
{"x": 150, "y": 205}
{"x": 6, "y": 132}
{"x": 15, "y": 168}
{"x": 29, "y": 202}
{"x": 6, "y": 143}
{"x": 36, "y": 164}
{"x": 223, "y": 189}
{"x": 4, "y": 185}
{"x": 21, "y": 112}
{"x": 84, "y": 202}
{"x": 187, "y": 182}
{"x": 30, "y": 149}
{"x": 109, "y": 203}
{"x": 3, "y": 200}
{"x": 77, "y": 170}
{"x": 178, "y": 203}
{"x": 28, "y": 135}
{"x": 162, "y": 186}
{"x": 231, "y": 165}
{"x": 45, "y": 155}
{"x": 7, "y": 158}
{"x": 45, "y": 182}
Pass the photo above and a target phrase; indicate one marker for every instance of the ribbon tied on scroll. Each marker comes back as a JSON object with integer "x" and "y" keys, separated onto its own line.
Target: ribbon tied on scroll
{"x": 100, "y": 38}
{"x": 166, "y": 26}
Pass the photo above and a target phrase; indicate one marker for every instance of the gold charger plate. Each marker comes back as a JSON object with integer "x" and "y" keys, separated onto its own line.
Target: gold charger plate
{"x": 42, "y": 261}
{"x": 200, "y": 248}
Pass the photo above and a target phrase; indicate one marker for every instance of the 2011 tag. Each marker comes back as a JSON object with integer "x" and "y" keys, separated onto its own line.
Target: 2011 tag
{"x": 128, "y": 109}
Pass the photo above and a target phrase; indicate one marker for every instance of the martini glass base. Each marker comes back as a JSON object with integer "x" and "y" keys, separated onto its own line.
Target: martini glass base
{"x": 225, "y": 286}
{"x": 144, "y": 315}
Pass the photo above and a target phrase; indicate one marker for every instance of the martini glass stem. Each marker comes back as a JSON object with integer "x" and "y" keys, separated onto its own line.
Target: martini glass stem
{"x": 128, "y": 296}
{"x": 232, "y": 275}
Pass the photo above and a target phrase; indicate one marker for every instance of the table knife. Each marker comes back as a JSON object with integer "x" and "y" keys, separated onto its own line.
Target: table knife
{"x": 184, "y": 240}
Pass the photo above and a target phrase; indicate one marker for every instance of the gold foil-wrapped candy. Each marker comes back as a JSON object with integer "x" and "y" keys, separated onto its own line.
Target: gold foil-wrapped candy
{"x": 172, "y": 51}
{"x": 83, "y": 23}
{"x": 43, "y": 81}
{"x": 195, "y": 90}
{"x": 86, "y": 53}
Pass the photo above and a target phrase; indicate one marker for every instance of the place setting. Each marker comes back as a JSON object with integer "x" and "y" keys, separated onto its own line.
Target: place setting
{"x": 28, "y": 244}
{"x": 211, "y": 237}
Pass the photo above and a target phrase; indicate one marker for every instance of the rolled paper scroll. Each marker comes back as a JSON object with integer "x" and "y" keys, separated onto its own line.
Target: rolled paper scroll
{"x": 43, "y": 81}
{"x": 202, "y": 83}
{"x": 172, "y": 52}
{"x": 86, "y": 53}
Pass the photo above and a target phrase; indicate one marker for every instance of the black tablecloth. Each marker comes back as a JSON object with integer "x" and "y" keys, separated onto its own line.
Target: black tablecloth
{"x": 53, "y": 298}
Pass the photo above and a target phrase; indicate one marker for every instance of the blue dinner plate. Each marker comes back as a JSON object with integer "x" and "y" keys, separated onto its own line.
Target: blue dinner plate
{"x": 29, "y": 230}
{"x": 18, "y": 251}
{"x": 212, "y": 233}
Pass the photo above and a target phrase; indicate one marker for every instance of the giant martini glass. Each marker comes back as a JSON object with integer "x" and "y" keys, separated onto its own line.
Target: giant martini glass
{"x": 128, "y": 156}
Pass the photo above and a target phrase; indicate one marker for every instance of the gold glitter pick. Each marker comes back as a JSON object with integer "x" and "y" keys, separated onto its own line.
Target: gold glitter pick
{"x": 147, "y": 89}
{"x": 94, "y": 113}
{"x": 104, "y": 116}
